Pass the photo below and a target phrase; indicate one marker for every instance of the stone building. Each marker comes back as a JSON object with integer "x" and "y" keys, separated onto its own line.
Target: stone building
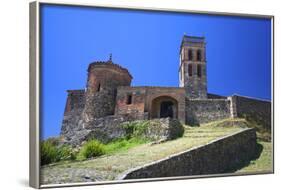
{"x": 109, "y": 96}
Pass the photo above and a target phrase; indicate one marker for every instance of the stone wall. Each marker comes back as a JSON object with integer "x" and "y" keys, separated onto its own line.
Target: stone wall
{"x": 72, "y": 120}
{"x": 99, "y": 104}
{"x": 102, "y": 82}
{"x": 75, "y": 100}
{"x": 255, "y": 109}
{"x": 157, "y": 130}
{"x": 215, "y": 96}
{"x": 75, "y": 130}
{"x": 203, "y": 111}
{"x": 217, "y": 157}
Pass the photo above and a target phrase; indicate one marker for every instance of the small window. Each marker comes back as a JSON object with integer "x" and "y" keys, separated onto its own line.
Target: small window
{"x": 98, "y": 87}
{"x": 190, "y": 70}
{"x": 190, "y": 57}
{"x": 199, "y": 72}
{"x": 129, "y": 99}
{"x": 199, "y": 55}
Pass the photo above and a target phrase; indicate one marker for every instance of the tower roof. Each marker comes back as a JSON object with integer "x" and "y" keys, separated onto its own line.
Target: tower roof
{"x": 187, "y": 40}
{"x": 194, "y": 39}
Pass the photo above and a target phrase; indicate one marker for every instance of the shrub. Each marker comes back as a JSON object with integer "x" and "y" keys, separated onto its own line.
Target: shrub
{"x": 54, "y": 140}
{"x": 49, "y": 152}
{"x": 91, "y": 149}
{"x": 135, "y": 129}
{"x": 65, "y": 152}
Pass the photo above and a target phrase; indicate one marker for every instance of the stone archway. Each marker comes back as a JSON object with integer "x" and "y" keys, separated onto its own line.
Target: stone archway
{"x": 166, "y": 109}
{"x": 164, "y": 106}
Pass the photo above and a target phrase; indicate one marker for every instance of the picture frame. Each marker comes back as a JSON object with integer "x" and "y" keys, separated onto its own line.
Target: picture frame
{"x": 36, "y": 90}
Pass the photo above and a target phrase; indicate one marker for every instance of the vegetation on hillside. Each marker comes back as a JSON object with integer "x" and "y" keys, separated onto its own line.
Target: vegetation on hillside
{"x": 124, "y": 154}
{"x": 52, "y": 152}
{"x": 134, "y": 150}
{"x": 135, "y": 129}
{"x": 263, "y": 163}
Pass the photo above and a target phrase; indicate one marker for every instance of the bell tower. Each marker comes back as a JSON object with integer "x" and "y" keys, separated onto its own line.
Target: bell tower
{"x": 192, "y": 69}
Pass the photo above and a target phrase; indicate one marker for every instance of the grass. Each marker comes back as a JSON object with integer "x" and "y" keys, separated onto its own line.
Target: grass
{"x": 118, "y": 160}
{"x": 125, "y": 154}
{"x": 263, "y": 163}
{"x": 123, "y": 145}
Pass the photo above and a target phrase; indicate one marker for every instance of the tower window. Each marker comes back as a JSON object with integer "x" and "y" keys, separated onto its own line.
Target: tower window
{"x": 129, "y": 99}
{"x": 190, "y": 70}
{"x": 199, "y": 55}
{"x": 98, "y": 87}
{"x": 190, "y": 57}
{"x": 199, "y": 70}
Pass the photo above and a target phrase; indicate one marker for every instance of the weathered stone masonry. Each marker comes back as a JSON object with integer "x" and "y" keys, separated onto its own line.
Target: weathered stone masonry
{"x": 109, "y": 99}
{"x": 203, "y": 111}
{"x": 216, "y": 157}
{"x": 259, "y": 110}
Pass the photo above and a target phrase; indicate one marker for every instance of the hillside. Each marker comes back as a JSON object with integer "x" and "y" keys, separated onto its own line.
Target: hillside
{"x": 109, "y": 167}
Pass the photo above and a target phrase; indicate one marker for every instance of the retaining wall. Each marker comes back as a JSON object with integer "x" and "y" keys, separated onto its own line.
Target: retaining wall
{"x": 216, "y": 157}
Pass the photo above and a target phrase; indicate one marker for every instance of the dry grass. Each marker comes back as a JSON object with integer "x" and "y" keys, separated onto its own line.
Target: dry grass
{"x": 112, "y": 165}
{"x": 261, "y": 164}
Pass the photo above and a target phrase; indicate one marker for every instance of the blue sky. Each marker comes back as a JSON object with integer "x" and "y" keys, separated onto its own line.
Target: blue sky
{"x": 147, "y": 43}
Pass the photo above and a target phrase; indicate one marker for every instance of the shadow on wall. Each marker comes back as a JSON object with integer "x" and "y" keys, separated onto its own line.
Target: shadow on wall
{"x": 192, "y": 120}
{"x": 244, "y": 163}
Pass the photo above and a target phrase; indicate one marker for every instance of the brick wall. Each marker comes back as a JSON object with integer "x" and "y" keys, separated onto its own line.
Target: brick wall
{"x": 143, "y": 100}
{"x": 138, "y": 98}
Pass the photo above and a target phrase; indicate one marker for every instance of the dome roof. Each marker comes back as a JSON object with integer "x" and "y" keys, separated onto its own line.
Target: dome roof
{"x": 108, "y": 64}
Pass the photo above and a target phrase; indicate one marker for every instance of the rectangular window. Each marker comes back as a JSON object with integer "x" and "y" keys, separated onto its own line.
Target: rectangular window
{"x": 199, "y": 71}
{"x": 129, "y": 99}
{"x": 190, "y": 70}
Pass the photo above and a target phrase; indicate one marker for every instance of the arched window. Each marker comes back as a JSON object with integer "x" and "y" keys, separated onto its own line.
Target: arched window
{"x": 199, "y": 71}
{"x": 190, "y": 70}
{"x": 190, "y": 57}
{"x": 199, "y": 55}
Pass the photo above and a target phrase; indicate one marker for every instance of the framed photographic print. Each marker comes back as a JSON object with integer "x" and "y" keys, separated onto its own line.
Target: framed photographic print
{"x": 128, "y": 94}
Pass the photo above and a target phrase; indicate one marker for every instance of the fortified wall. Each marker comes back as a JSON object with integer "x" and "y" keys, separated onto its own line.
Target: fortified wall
{"x": 203, "y": 111}
{"x": 251, "y": 108}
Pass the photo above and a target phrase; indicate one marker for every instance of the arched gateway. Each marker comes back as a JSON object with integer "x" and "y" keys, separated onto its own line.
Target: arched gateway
{"x": 164, "y": 106}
